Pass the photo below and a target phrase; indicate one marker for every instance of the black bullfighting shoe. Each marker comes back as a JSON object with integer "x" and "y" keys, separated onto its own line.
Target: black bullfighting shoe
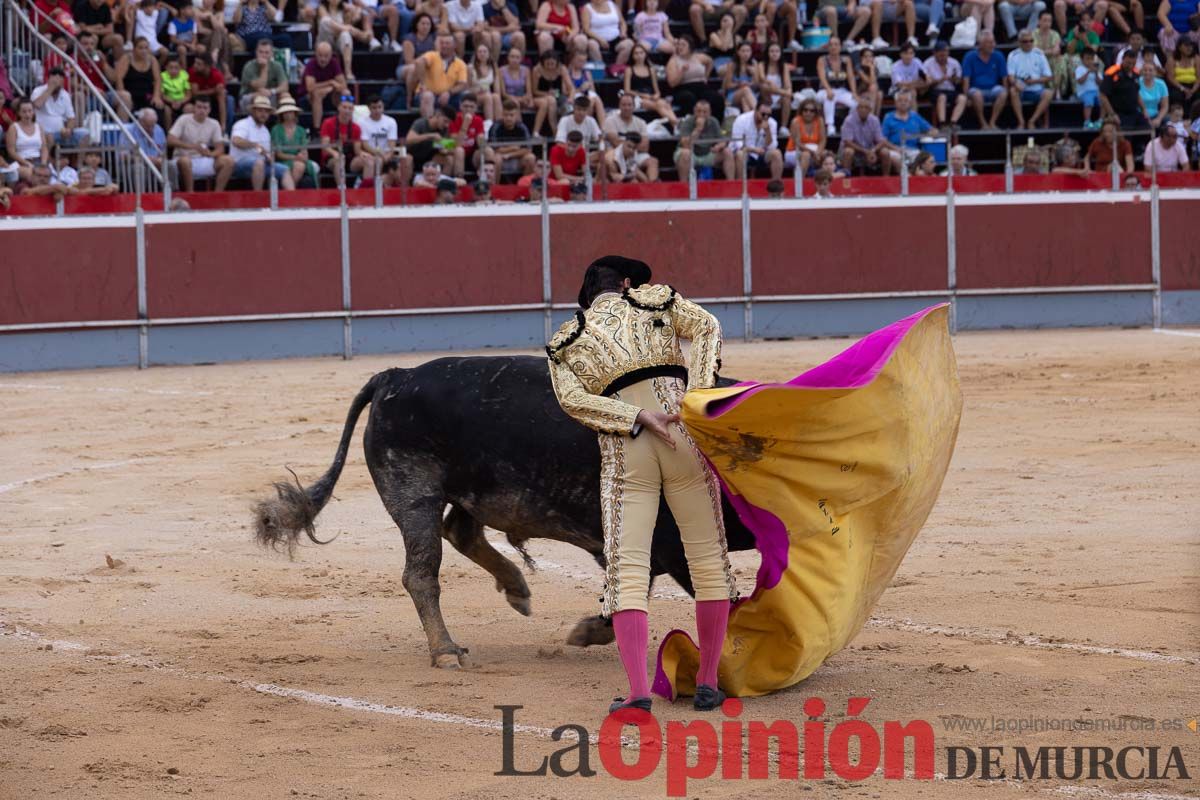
{"x": 620, "y": 704}
{"x": 707, "y": 698}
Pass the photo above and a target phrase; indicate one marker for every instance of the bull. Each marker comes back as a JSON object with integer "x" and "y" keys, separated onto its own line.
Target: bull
{"x": 457, "y": 444}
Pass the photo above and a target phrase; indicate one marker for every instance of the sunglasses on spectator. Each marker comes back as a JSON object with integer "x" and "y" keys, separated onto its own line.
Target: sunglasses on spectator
{"x": 347, "y": 98}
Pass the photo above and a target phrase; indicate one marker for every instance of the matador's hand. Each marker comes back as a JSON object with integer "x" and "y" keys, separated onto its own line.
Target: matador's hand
{"x": 659, "y": 422}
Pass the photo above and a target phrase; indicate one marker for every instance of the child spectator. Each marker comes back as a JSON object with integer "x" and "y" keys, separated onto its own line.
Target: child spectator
{"x": 1087, "y": 86}
{"x": 176, "y": 89}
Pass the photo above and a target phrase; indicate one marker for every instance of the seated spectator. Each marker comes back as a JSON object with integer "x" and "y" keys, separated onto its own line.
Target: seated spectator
{"x": 55, "y": 109}
{"x": 199, "y": 147}
{"x": 1083, "y": 34}
{"x": 985, "y": 76}
{"x": 62, "y": 171}
{"x": 1176, "y": 20}
{"x": 1176, "y": 121}
{"x": 1087, "y": 87}
{"x": 394, "y": 175}
{"x": 206, "y": 81}
{"x": 958, "y": 163}
{"x": 864, "y": 147}
{"x": 1181, "y": 72}
{"x": 945, "y": 79}
{"x": 775, "y": 82}
{"x": 866, "y": 79}
{"x": 447, "y": 192}
{"x": 441, "y": 76}
{"x": 342, "y": 145}
{"x": 503, "y": 28}
{"x": 467, "y": 130}
{"x": 551, "y": 88}
{"x": 99, "y": 70}
{"x": 739, "y": 79}
{"x": 892, "y": 11}
{"x": 26, "y": 142}
{"x": 1110, "y": 142}
{"x": 181, "y": 32}
{"x": 1030, "y": 80}
{"x": 322, "y": 83}
{"x": 903, "y": 127}
{"x": 625, "y": 121}
{"x": 176, "y": 89}
{"x": 824, "y": 182}
{"x": 5, "y": 195}
{"x": 1166, "y": 153}
{"x": 94, "y": 161}
{"x": 580, "y": 84}
{"x": 698, "y": 133}
{"x": 87, "y": 184}
{"x": 379, "y": 131}
{"x": 568, "y": 159}
{"x": 148, "y": 137}
{"x": 641, "y": 82}
{"x": 687, "y": 78}
{"x": 96, "y": 17}
{"x": 289, "y": 140}
{"x": 481, "y": 79}
{"x": 723, "y": 42}
{"x": 984, "y": 12}
{"x": 924, "y": 165}
{"x": 483, "y": 193}
{"x": 761, "y": 36}
{"x": 701, "y": 11}
{"x": 806, "y": 136}
{"x": 422, "y": 40}
{"x": 516, "y": 158}
{"x": 42, "y": 183}
{"x": 775, "y": 190}
{"x": 1014, "y": 11}
{"x": 557, "y": 22}
{"x": 1032, "y": 163}
{"x": 516, "y": 83}
{"x": 263, "y": 76}
{"x": 1120, "y": 93}
{"x": 1137, "y": 46}
{"x": 836, "y": 75}
{"x": 578, "y": 193}
{"x": 431, "y": 175}
{"x": 1066, "y": 161}
{"x": 1152, "y": 91}
{"x": 908, "y": 73}
{"x": 580, "y": 121}
{"x": 1046, "y": 39}
{"x": 465, "y": 19}
{"x": 652, "y": 30}
{"x": 834, "y": 12}
{"x": 251, "y": 21}
{"x": 628, "y": 164}
{"x": 604, "y": 26}
{"x": 250, "y": 143}
{"x": 430, "y": 139}
{"x": 756, "y": 136}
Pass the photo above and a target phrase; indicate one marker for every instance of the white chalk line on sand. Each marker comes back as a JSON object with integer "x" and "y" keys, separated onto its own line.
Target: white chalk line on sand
{"x": 1170, "y": 332}
{"x": 367, "y": 706}
{"x": 8, "y": 487}
{"x": 53, "y": 387}
{"x": 977, "y": 634}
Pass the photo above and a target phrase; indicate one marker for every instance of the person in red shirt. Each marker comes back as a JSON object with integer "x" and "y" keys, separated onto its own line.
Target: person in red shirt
{"x": 567, "y": 159}
{"x": 210, "y": 83}
{"x": 54, "y": 14}
{"x": 467, "y": 129}
{"x": 341, "y": 142}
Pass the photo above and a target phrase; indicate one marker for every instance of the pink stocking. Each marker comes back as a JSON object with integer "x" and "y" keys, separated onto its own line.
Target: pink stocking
{"x": 712, "y": 617}
{"x": 633, "y": 635}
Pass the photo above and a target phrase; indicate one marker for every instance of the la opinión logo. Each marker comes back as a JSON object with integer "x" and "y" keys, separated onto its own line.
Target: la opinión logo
{"x": 698, "y": 749}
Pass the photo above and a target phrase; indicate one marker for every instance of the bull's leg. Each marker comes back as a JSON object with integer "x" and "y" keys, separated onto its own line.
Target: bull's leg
{"x": 466, "y": 534}
{"x": 420, "y": 521}
{"x": 596, "y": 630}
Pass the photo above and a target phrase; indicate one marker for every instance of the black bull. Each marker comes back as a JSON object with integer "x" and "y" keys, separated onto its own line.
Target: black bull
{"x": 486, "y": 437}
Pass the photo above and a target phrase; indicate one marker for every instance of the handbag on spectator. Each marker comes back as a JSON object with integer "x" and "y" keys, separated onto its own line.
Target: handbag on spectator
{"x": 883, "y": 66}
{"x": 657, "y": 129}
{"x": 965, "y": 33}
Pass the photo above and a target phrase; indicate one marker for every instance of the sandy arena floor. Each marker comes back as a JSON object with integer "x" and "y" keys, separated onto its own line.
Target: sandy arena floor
{"x": 196, "y": 663}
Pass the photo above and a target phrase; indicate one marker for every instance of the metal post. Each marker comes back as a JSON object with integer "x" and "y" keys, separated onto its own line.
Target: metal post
{"x": 166, "y": 186}
{"x": 143, "y": 328}
{"x": 378, "y": 182}
{"x": 1155, "y": 256}
{"x": 1008, "y": 170}
{"x": 137, "y": 180}
{"x": 747, "y": 282}
{"x": 903, "y": 170}
{"x": 347, "y": 342}
{"x": 951, "y": 260}
{"x": 547, "y": 298}
{"x": 692, "y": 189}
{"x": 274, "y": 185}
{"x": 1114, "y": 168}
{"x": 587, "y": 176}
{"x": 798, "y": 175}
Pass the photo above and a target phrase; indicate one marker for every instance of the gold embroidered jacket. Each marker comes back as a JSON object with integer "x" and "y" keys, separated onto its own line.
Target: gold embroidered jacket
{"x": 621, "y": 334}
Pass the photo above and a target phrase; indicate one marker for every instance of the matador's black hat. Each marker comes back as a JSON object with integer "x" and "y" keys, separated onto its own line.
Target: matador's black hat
{"x": 638, "y": 272}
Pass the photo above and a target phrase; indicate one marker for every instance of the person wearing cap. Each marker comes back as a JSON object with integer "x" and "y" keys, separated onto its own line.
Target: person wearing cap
{"x": 945, "y": 78}
{"x": 627, "y": 164}
{"x": 289, "y": 140}
{"x": 250, "y": 142}
{"x": 568, "y": 160}
{"x": 617, "y": 367}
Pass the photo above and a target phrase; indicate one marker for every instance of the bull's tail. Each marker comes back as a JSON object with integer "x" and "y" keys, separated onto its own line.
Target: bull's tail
{"x": 279, "y": 521}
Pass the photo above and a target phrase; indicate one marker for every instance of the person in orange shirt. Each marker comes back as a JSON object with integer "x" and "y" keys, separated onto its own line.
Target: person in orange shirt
{"x": 441, "y": 76}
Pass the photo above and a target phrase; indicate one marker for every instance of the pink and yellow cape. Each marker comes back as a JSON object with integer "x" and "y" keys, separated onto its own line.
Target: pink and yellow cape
{"x": 834, "y": 472}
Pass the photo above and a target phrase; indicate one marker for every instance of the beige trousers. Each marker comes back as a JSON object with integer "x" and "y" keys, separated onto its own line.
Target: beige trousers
{"x": 633, "y": 472}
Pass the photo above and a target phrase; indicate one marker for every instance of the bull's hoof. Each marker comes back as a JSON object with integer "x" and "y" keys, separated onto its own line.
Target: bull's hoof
{"x": 449, "y": 659}
{"x": 591, "y": 631}
{"x": 522, "y": 604}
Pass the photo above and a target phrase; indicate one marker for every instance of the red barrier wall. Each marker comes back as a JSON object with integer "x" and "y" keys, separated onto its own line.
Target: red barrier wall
{"x": 431, "y": 262}
{"x": 699, "y": 252}
{"x": 826, "y": 251}
{"x": 1179, "y": 236}
{"x": 68, "y": 274}
{"x": 253, "y": 267}
{"x": 1006, "y": 246}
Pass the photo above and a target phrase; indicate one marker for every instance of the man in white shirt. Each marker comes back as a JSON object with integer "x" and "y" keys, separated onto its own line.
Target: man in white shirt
{"x": 251, "y": 147}
{"x": 757, "y": 134}
{"x": 580, "y": 120}
{"x": 199, "y": 147}
{"x": 55, "y": 109}
{"x": 379, "y": 131}
{"x": 465, "y": 17}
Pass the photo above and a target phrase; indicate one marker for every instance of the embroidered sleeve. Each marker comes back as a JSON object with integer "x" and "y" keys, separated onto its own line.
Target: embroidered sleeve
{"x": 694, "y": 323}
{"x": 595, "y": 411}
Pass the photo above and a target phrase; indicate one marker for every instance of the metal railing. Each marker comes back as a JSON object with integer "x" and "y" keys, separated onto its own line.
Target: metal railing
{"x": 26, "y": 50}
